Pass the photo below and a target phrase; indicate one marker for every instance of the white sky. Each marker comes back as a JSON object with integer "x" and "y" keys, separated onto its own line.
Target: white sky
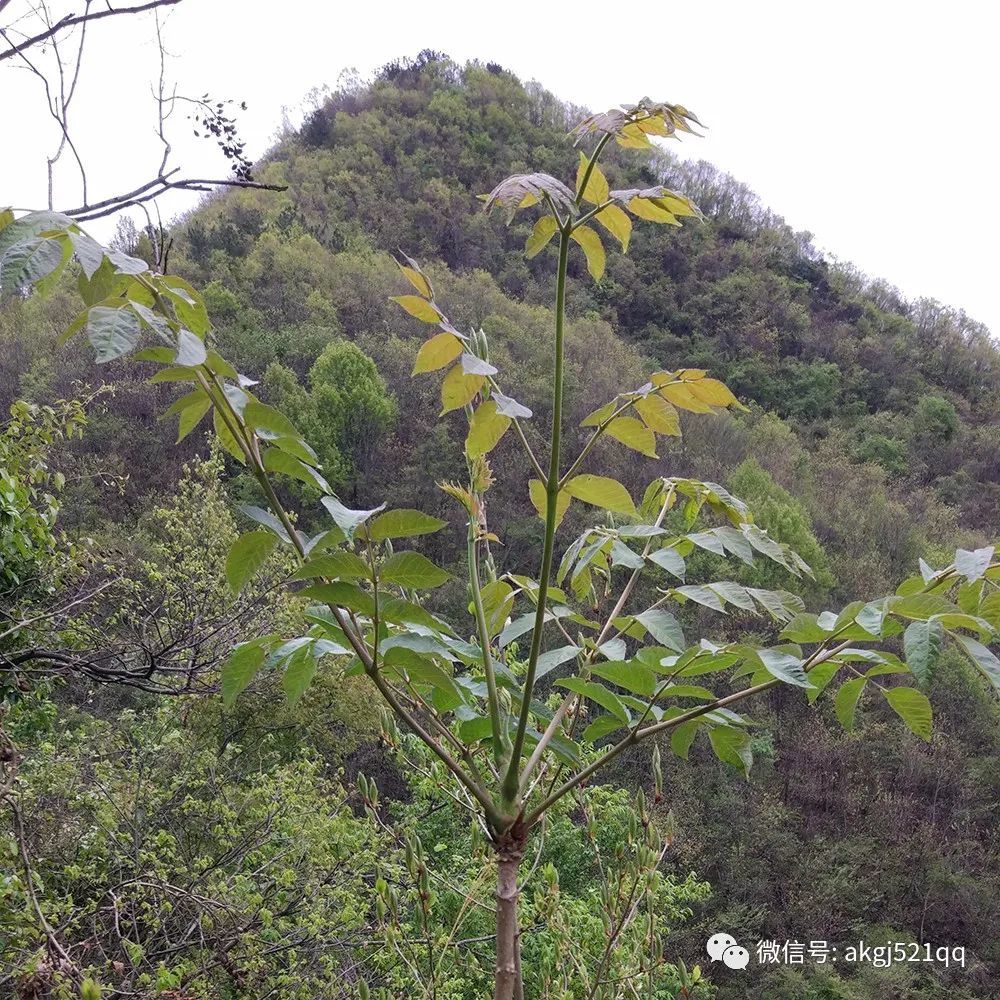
{"x": 870, "y": 124}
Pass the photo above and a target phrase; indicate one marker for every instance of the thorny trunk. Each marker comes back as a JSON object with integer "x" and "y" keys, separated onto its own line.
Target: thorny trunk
{"x": 510, "y": 849}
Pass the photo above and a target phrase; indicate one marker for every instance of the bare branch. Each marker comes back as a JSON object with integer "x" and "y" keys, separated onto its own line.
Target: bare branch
{"x": 64, "y": 24}
{"x": 156, "y": 187}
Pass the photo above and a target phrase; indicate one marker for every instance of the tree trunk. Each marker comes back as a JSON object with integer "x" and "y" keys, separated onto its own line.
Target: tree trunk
{"x": 510, "y": 850}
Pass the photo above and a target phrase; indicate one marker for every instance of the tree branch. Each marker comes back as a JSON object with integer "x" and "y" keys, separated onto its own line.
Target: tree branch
{"x": 71, "y": 21}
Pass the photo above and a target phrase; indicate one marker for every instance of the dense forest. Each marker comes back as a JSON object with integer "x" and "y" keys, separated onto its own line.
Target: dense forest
{"x": 869, "y": 442}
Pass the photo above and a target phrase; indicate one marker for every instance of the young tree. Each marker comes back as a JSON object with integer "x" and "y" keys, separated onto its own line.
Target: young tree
{"x": 516, "y": 733}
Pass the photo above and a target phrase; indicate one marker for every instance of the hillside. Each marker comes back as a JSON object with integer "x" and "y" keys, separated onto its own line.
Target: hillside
{"x": 872, "y": 439}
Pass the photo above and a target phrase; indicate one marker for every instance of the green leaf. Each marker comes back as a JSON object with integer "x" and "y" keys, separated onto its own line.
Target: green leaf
{"x": 602, "y": 726}
{"x": 240, "y": 668}
{"x": 226, "y": 438}
{"x": 266, "y": 518}
{"x": 846, "y": 702}
{"x": 982, "y": 657}
{"x": 31, "y": 225}
{"x": 683, "y": 736}
{"x": 622, "y": 555}
{"x": 784, "y": 666}
{"x": 191, "y": 407}
{"x": 663, "y": 627}
{"x": 27, "y": 263}
{"x": 920, "y": 606}
{"x": 593, "y": 250}
{"x": 403, "y": 524}
{"x": 341, "y": 595}
{"x": 820, "y": 677}
{"x": 922, "y": 647}
{"x": 113, "y": 332}
{"x": 334, "y": 565}
{"x": 913, "y": 708}
{"x": 804, "y": 628}
{"x": 732, "y": 746}
{"x": 173, "y": 375}
{"x": 458, "y": 389}
{"x": 633, "y": 433}
{"x": 702, "y": 595}
{"x": 268, "y": 422}
{"x": 630, "y": 675}
{"x": 190, "y": 350}
{"x": 297, "y": 447}
{"x": 435, "y": 353}
{"x": 276, "y": 460}
{"x": 601, "y": 492}
{"x": 596, "y": 693}
{"x": 543, "y": 231}
{"x": 412, "y": 571}
{"x": 669, "y": 559}
{"x": 553, "y": 658}
{"x": 688, "y": 691}
{"x": 346, "y": 519}
{"x": 188, "y": 304}
{"x": 300, "y": 668}
{"x": 248, "y": 554}
{"x": 486, "y": 429}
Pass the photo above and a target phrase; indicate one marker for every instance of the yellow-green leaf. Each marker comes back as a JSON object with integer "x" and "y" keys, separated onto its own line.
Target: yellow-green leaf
{"x": 677, "y": 204}
{"x": 437, "y": 352}
{"x": 416, "y": 278}
{"x": 601, "y": 492}
{"x": 659, "y": 415}
{"x": 646, "y": 208}
{"x": 539, "y": 500}
{"x": 711, "y": 390}
{"x": 634, "y": 433}
{"x": 418, "y": 307}
{"x": 485, "y": 429}
{"x": 600, "y": 414}
{"x": 682, "y": 396}
{"x": 632, "y": 137}
{"x": 593, "y": 248}
{"x": 545, "y": 229}
{"x": 457, "y": 389}
{"x": 597, "y": 184}
{"x": 616, "y": 221}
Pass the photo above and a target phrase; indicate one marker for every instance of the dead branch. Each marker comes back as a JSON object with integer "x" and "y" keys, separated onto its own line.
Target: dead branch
{"x": 70, "y": 21}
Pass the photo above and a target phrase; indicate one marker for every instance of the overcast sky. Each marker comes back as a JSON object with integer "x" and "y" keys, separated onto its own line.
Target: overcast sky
{"x": 870, "y": 124}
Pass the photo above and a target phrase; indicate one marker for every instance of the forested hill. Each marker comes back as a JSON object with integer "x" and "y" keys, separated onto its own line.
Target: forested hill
{"x": 912, "y": 387}
{"x": 872, "y": 440}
